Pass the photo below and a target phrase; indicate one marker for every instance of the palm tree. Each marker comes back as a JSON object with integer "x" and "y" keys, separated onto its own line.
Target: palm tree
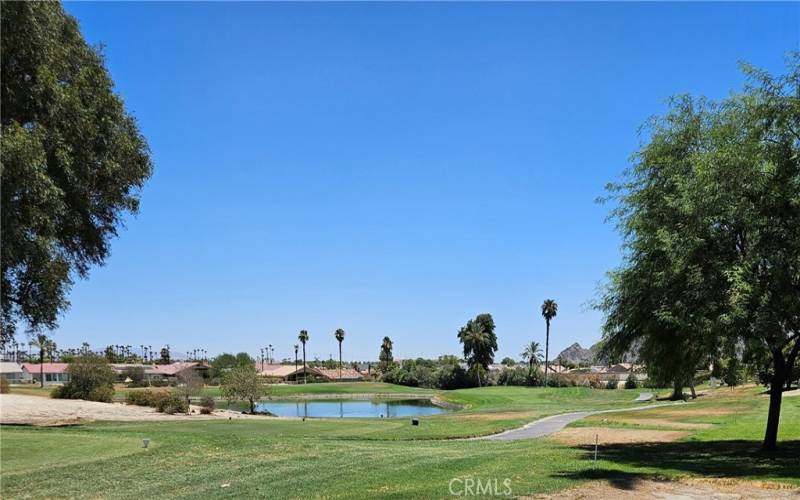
{"x": 296, "y": 347}
{"x": 477, "y": 341}
{"x": 51, "y": 348}
{"x": 533, "y": 353}
{"x": 42, "y": 343}
{"x": 303, "y": 338}
{"x": 549, "y": 311}
{"x": 385, "y": 358}
{"x": 340, "y": 337}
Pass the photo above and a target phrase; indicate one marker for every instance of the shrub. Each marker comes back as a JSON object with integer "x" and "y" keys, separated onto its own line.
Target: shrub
{"x": 593, "y": 381}
{"x": 557, "y": 380}
{"x": 140, "y": 398}
{"x": 451, "y": 376}
{"x": 91, "y": 378}
{"x": 612, "y": 383}
{"x": 630, "y": 382}
{"x": 513, "y": 376}
{"x": 4, "y": 386}
{"x": 207, "y": 403}
{"x": 206, "y": 411}
{"x": 172, "y": 403}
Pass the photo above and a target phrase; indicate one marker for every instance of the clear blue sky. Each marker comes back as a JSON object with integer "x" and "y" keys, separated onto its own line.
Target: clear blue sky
{"x": 391, "y": 169}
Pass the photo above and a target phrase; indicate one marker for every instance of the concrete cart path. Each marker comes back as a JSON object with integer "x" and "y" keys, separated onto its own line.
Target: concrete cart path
{"x": 554, "y": 423}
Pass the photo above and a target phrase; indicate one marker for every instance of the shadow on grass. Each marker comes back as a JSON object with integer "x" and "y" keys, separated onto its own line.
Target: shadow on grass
{"x": 728, "y": 459}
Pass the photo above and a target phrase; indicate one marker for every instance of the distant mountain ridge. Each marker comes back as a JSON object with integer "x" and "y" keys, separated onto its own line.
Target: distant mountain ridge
{"x": 577, "y": 354}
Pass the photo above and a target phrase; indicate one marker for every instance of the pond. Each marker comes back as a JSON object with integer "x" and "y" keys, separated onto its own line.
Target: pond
{"x": 352, "y": 408}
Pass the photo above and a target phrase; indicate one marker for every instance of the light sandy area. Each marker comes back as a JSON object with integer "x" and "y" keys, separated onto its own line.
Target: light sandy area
{"x": 578, "y": 436}
{"x": 35, "y": 410}
{"x": 687, "y": 489}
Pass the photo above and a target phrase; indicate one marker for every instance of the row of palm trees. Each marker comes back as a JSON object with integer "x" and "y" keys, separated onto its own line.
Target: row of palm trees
{"x": 303, "y": 337}
{"x": 533, "y": 351}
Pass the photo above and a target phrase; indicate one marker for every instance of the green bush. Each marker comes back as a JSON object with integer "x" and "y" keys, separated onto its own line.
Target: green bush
{"x": 612, "y": 383}
{"x": 5, "y": 388}
{"x": 103, "y": 394}
{"x": 91, "y": 378}
{"x": 558, "y": 380}
{"x": 140, "y": 398}
{"x": 630, "y": 382}
{"x": 172, "y": 403}
{"x": 451, "y": 376}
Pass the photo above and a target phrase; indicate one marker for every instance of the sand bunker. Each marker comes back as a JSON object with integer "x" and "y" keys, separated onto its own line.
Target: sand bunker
{"x": 687, "y": 489}
{"x": 36, "y": 410}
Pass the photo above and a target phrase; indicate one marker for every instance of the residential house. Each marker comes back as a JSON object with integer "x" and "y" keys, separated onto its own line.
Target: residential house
{"x": 14, "y": 373}
{"x": 53, "y": 373}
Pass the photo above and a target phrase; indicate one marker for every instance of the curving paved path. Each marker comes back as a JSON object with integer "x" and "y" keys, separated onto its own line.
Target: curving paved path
{"x": 554, "y": 423}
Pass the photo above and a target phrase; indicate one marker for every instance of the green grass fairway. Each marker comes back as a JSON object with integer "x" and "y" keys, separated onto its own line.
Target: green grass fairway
{"x": 364, "y": 458}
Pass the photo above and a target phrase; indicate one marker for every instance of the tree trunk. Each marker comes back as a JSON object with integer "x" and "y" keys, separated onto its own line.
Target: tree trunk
{"x": 252, "y": 406}
{"x": 691, "y": 387}
{"x": 677, "y": 390}
{"x": 340, "y": 361}
{"x": 41, "y": 367}
{"x": 304, "y": 364}
{"x": 546, "y": 352}
{"x": 775, "y": 396}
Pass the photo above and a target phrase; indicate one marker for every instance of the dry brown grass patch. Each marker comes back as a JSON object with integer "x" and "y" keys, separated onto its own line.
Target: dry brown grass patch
{"x": 580, "y": 436}
{"x": 650, "y": 422}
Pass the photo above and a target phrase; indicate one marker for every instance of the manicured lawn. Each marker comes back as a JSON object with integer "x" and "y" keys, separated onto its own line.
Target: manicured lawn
{"x": 32, "y": 390}
{"x": 388, "y": 458}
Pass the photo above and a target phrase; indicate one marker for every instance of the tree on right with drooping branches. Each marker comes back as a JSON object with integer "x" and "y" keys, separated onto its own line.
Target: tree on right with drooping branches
{"x": 710, "y": 218}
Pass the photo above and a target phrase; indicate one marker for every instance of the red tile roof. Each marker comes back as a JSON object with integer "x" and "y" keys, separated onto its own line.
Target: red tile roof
{"x": 36, "y": 368}
{"x": 347, "y": 374}
{"x": 174, "y": 368}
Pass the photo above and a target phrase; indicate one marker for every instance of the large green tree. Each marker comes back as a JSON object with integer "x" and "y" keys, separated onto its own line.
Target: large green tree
{"x": 480, "y": 343}
{"x": 73, "y": 162}
{"x": 710, "y": 215}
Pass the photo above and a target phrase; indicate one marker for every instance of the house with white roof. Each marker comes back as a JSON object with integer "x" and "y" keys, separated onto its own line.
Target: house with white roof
{"x": 14, "y": 373}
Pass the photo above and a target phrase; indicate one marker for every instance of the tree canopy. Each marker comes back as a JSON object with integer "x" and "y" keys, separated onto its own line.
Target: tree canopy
{"x": 480, "y": 343}
{"x": 72, "y": 166}
{"x": 243, "y": 383}
{"x": 385, "y": 358}
{"x": 710, "y": 217}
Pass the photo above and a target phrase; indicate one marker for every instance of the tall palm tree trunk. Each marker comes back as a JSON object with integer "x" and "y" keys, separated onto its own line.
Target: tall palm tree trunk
{"x": 41, "y": 366}
{"x": 340, "y": 361}
{"x": 305, "y": 380}
{"x": 547, "y": 352}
